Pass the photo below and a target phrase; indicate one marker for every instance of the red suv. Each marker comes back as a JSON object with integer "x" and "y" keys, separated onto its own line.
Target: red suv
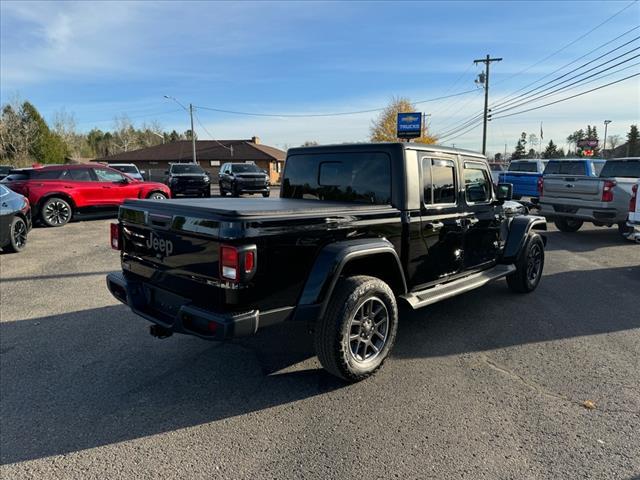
{"x": 59, "y": 192}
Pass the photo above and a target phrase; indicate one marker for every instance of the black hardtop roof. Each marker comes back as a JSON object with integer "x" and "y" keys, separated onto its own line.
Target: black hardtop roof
{"x": 383, "y": 146}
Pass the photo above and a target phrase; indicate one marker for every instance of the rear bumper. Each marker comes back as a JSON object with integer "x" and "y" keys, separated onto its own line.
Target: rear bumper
{"x": 177, "y": 314}
{"x": 609, "y": 216}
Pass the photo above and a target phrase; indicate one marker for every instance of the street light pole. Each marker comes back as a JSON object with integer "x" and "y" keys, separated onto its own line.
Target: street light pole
{"x": 604, "y": 144}
{"x": 193, "y": 133}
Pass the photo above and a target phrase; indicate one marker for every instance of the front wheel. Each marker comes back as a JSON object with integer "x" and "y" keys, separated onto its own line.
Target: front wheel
{"x": 358, "y": 329}
{"x": 528, "y": 266}
{"x": 18, "y": 235}
{"x": 157, "y": 196}
{"x": 568, "y": 225}
{"x": 624, "y": 229}
{"x": 55, "y": 212}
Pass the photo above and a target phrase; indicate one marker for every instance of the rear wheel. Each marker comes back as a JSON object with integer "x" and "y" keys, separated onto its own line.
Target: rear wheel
{"x": 235, "y": 191}
{"x": 18, "y": 235}
{"x": 568, "y": 224}
{"x": 359, "y": 327}
{"x": 529, "y": 266}
{"x": 265, "y": 194}
{"x": 56, "y": 212}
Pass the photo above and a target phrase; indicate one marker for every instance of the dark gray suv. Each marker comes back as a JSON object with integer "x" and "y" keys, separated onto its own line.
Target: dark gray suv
{"x": 239, "y": 178}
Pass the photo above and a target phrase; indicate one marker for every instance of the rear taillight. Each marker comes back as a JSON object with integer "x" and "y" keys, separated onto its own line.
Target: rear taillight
{"x": 634, "y": 198}
{"x": 115, "y": 236}
{"x": 607, "y": 190}
{"x": 540, "y": 186}
{"x": 237, "y": 264}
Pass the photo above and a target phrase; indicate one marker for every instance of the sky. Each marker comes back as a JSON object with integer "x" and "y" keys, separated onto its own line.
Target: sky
{"x": 98, "y": 61}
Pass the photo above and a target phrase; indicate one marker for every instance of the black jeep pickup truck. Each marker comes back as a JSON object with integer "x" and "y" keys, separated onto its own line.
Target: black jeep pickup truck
{"x": 357, "y": 229}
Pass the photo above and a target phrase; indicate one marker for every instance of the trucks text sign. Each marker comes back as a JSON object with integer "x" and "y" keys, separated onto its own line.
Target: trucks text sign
{"x": 409, "y": 125}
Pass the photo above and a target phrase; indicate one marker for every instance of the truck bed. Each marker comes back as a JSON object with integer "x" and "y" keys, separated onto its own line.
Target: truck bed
{"x": 248, "y": 208}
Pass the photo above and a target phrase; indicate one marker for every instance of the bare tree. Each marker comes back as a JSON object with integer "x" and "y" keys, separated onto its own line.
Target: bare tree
{"x": 18, "y": 133}
{"x": 614, "y": 141}
{"x": 64, "y": 124}
{"x": 124, "y": 135}
{"x": 151, "y": 134}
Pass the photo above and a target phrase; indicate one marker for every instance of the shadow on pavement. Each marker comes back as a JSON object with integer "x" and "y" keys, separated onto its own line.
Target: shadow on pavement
{"x": 586, "y": 240}
{"x": 95, "y": 377}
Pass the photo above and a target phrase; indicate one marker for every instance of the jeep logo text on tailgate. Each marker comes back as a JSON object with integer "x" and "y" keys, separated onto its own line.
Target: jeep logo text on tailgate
{"x": 160, "y": 245}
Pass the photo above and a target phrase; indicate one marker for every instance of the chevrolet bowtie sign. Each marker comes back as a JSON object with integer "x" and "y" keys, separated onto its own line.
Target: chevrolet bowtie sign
{"x": 409, "y": 125}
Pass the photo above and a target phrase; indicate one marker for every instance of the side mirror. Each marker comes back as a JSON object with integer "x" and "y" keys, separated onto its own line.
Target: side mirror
{"x": 142, "y": 172}
{"x": 122, "y": 181}
{"x": 166, "y": 172}
{"x": 504, "y": 191}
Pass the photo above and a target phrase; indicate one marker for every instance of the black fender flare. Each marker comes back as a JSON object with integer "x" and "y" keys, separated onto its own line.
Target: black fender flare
{"x": 519, "y": 229}
{"x": 331, "y": 262}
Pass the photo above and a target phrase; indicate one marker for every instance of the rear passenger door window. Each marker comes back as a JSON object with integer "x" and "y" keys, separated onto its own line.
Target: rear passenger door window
{"x": 439, "y": 181}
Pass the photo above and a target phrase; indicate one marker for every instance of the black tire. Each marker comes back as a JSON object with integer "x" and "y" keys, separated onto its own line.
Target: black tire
{"x": 624, "y": 230}
{"x": 336, "y": 335}
{"x": 206, "y": 193}
{"x": 55, "y": 212}
{"x": 568, "y": 225}
{"x": 265, "y": 194}
{"x": 529, "y": 266}
{"x": 234, "y": 191}
{"x": 157, "y": 196}
{"x": 17, "y": 235}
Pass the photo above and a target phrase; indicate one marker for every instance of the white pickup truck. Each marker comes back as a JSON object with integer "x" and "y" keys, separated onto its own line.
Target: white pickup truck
{"x": 634, "y": 214}
{"x": 569, "y": 201}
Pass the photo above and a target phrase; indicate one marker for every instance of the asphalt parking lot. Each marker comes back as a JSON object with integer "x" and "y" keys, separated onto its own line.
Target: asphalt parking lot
{"x": 490, "y": 384}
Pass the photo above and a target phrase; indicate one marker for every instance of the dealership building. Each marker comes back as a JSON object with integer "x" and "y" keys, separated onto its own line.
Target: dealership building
{"x": 210, "y": 155}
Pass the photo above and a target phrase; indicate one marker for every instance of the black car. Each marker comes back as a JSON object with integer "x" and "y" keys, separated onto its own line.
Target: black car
{"x": 357, "y": 230}
{"x": 188, "y": 179}
{"x": 239, "y": 178}
{"x": 15, "y": 220}
{"x": 5, "y": 169}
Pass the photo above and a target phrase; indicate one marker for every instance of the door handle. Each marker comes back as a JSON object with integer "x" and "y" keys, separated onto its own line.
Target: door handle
{"x": 434, "y": 226}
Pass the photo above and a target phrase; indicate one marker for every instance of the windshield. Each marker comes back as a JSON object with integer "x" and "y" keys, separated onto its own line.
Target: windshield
{"x": 125, "y": 168}
{"x": 363, "y": 177}
{"x": 186, "y": 168}
{"x": 245, "y": 168}
{"x": 621, "y": 168}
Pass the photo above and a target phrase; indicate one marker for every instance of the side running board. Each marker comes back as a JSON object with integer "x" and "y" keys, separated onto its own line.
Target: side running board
{"x": 456, "y": 287}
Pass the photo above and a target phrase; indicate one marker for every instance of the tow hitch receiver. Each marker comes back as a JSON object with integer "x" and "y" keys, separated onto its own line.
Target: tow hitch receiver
{"x": 159, "y": 332}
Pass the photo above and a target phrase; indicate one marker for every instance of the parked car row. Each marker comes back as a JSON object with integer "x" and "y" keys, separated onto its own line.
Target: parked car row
{"x": 15, "y": 220}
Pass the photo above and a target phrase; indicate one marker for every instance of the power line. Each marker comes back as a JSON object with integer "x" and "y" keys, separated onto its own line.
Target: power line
{"x": 527, "y": 94}
{"x": 568, "y": 44}
{"x": 568, "y": 64}
{"x": 230, "y": 148}
{"x": 567, "y": 98}
{"x": 337, "y": 114}
{"x": 577, "y": 82}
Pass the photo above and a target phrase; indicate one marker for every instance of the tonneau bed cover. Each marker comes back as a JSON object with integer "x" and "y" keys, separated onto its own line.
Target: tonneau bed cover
{"x": 252, "y": 207}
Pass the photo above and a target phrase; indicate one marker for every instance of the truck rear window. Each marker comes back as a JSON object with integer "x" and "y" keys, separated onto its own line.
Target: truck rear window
{"x": 362, "y": 177}
{"x": 621, "y": 168}
{"x": 523, "y": 167}
{"x": 560, "y": 167}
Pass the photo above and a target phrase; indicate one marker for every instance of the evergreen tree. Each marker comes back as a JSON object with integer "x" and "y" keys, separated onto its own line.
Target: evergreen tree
{"x": 551, "y": 151}
{"x": 48, "y": 147}
{"x": 633, "y": 144}
{"x": 520, "y": 151}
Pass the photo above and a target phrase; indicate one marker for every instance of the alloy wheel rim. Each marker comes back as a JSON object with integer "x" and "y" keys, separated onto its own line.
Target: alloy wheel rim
{"x": 20, "y": 234}
{"x": 534, "y": 263}
{"x": 57, "y": 213}
{"x": 158, "y": 196}
{"x": 368, "y": 330}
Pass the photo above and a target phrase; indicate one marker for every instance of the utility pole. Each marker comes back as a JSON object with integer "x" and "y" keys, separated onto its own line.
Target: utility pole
{"x": 193, "y": 134}
{"x": 487, "y": 61}
{"x": 604, "y": 144}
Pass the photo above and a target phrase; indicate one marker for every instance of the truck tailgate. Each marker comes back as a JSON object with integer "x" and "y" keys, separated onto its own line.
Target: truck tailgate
{"x": 579, "y": 188}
